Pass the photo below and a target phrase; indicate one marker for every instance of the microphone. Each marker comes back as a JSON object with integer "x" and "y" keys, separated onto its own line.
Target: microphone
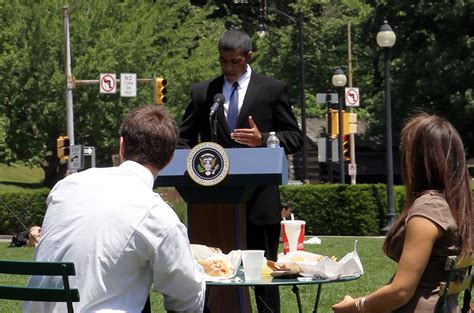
{"x": 219, "y": 100}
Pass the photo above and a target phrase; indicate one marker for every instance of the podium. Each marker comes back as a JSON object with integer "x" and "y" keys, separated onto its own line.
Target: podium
{"x": 217, "y": 214}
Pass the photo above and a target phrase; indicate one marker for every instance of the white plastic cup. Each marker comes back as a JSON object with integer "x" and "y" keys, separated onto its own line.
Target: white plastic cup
{"x": 292, "y": 233}
{"x": 252, "y": 261}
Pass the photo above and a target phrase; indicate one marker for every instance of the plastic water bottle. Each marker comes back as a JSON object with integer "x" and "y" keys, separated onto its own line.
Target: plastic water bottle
{"x": 273, "y": 141}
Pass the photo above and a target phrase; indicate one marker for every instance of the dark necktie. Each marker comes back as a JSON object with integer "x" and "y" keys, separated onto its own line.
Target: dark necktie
{"x": 233, "y": 112}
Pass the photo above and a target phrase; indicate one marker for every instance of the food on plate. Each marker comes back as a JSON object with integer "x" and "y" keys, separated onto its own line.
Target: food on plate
{"x": 216, "y": 266}
{"x": 292, "y": 267}
{"x": 266, "y": 269}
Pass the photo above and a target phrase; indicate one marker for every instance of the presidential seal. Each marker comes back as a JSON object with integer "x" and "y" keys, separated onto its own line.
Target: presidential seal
{"x": 207, "y": 163}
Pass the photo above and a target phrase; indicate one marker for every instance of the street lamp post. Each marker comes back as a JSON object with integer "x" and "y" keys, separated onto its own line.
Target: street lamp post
{"x": 339, "y": 81}
{"x": 329, "y": 137}
{"x": 386, "y": 39}
{"x": 262, "y": 31}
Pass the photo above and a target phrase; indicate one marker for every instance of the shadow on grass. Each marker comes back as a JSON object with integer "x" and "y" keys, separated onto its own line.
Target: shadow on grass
{"x": 23, "y": 185}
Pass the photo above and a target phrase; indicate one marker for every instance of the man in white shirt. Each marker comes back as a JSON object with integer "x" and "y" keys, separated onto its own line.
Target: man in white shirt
{"x": 121, "y": 236}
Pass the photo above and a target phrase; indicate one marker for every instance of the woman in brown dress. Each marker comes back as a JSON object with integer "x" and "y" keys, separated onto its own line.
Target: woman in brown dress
{"x": 435, "y": 223}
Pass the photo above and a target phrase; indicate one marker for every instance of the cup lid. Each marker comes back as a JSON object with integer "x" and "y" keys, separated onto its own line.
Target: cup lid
{"x": 293, "y": 222}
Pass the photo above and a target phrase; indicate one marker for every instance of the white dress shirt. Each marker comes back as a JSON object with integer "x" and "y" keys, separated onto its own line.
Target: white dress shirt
{"x": 243, "y": 81}
{"x": 122, "y": 238}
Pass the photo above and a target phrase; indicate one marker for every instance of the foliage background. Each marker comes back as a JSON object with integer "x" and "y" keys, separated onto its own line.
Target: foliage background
{"x": 432, "y": 62}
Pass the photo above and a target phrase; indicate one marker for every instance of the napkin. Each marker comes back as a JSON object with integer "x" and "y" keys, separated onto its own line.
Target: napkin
{"x": 349, "y": 265}
{"x": 313, "y": 241}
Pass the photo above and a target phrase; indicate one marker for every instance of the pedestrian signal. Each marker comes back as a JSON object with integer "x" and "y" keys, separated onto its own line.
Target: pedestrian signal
{"x": 160, "y": 90}
{"x": 62, "y": 147}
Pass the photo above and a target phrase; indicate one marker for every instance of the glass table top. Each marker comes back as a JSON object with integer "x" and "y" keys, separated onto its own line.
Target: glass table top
{"x": 239, "y": 280}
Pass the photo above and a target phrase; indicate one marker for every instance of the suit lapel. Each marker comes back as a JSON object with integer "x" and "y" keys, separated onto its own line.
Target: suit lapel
{"x": 249, "y": 99}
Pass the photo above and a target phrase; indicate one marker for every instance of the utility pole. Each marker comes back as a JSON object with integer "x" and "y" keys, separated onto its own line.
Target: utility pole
{"x": 351, "y": 135}
{"x": 69, "y": 83}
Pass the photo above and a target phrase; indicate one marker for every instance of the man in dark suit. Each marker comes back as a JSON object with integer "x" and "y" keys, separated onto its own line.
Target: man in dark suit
{"x": 254, "y": 105}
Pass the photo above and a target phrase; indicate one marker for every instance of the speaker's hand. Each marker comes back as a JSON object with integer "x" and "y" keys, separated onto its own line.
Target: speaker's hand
{"x": 248, "y": 136}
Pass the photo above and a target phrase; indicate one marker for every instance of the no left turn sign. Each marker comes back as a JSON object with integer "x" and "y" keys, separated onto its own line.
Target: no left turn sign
{"x": 108, "y": 83}
{"x": 352, "y": 97}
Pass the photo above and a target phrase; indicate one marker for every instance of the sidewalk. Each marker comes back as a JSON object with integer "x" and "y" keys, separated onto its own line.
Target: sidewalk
{"x": 5, "y": 238}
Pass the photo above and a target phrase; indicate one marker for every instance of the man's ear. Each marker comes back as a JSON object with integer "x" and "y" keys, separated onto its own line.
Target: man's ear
{"x": 248, "y": 57}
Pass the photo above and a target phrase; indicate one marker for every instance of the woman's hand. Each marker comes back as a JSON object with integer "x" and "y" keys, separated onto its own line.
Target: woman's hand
{"x": 347, "y": 305}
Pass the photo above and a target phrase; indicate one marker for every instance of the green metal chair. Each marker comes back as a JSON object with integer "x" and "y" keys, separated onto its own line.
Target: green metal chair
{"x": 458, "y": 279}
{"x": 64, "y": 269}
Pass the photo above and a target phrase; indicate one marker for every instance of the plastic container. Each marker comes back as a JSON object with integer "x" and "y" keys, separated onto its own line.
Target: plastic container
{"x": 273, "y": 141}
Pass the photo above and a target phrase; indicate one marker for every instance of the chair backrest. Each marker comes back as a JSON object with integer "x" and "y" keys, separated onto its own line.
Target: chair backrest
{"x": 63, "y": 269}
{"x": 459, "y": 278}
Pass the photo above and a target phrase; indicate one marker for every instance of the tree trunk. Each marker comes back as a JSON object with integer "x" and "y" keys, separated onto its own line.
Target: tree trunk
{"x": 54, "y": 170}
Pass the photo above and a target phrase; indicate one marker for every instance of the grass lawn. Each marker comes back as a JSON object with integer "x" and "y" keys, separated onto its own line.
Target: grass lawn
{"x": 18, "y": 178}
{"x": 378, "y": 270}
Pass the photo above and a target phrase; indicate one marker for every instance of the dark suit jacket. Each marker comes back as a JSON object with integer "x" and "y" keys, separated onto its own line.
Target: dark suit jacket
{"x": 267, "y": 102}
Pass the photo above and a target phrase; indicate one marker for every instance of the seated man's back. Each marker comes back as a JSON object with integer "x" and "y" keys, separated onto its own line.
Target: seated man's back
{"x": 122, "y": 237}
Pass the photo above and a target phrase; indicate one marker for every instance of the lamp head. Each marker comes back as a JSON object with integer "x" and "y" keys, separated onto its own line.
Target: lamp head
{"x": 386, "y": 37}
{"x": 339, "y": 79}
{"x": 262, "y": 30}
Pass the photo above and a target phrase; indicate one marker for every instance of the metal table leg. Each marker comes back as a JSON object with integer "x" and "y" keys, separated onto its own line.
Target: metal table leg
{"x": 296, "y": 291}
{"x": 316, "y": 303}
{"x": 206, "y": 299}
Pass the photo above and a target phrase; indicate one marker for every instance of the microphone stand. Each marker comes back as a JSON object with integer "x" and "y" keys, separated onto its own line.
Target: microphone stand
{"x": 213, "y": 123}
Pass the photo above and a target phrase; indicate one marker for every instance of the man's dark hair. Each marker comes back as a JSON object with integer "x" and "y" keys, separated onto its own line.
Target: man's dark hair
{"x": 150, "y": 136}
{"x": 234, "y": 40}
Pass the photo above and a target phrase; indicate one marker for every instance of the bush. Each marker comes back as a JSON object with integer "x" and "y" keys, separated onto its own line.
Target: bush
{"x": 342, "y": 209}
{"x": 17, "y": 208}
{"x": 358, "y": 210}
{"x": 29, "y": 207}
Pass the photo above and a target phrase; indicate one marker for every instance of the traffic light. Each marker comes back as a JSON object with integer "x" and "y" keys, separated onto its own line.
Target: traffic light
{"x": 346, "y": 147}
{"x": 160, "y": 90}
{"x": 334, "y": 123}
{"x": 62, "y": 147}
{"x": 349, "y": 123}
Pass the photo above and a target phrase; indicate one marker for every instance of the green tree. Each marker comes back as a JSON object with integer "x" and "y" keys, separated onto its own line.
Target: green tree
{"x": 107, "y": 36}
{"x": 432, "y": 62}
{"x": 325, "y": 46}
{"x": 179, "y": 42}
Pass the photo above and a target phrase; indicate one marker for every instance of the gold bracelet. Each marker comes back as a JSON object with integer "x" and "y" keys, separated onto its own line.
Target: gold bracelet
{"x": 357, "y": 305}
{"x": 362, "y": 305}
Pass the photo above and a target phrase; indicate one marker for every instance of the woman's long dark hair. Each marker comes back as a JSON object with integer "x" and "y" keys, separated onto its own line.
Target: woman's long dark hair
{"x": 432, "y": 158}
